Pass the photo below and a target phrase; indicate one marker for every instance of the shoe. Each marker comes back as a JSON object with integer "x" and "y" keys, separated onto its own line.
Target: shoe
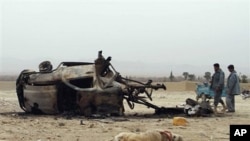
{"x": 230, "y": 111}
{"x": 224, "y": 109}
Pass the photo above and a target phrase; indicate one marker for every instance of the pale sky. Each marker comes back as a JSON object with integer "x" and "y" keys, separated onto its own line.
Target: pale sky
{"x": 144, "y": 37}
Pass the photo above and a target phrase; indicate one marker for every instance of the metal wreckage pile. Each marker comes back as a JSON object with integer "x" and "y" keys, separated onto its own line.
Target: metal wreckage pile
{"x": 83, "y": 88}
{"x": 245, "y": 94}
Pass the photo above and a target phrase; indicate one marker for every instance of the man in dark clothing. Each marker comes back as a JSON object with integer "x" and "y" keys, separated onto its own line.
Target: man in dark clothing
{"x": 233, "y": 88}
{"x": 217, "y": 86}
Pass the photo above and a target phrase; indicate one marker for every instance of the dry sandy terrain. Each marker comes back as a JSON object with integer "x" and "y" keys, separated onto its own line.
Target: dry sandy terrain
{"x": 17, "y": 126}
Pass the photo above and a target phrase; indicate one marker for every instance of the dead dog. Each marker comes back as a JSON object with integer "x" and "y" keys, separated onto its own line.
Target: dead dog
{"x": 150, "y": 135}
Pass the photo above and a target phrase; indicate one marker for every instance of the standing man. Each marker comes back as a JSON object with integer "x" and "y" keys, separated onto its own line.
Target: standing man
{"x": 233, "y": 88}
{"x": 217, "y": 85}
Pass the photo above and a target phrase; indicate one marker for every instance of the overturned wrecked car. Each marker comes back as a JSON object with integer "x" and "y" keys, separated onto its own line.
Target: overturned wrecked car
{"x": 83, "y": 88}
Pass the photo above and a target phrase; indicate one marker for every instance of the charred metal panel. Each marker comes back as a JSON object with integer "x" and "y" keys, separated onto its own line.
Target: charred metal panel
{"x": 72, "y": 72}
{"x": 106, "y": 101}
{"x": 41, "y": 99}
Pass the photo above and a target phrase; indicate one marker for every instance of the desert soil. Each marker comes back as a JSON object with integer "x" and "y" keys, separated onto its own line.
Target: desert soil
{"x": 15, "y": 125}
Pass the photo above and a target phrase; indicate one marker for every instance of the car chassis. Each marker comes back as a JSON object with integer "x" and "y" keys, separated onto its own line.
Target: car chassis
{"x": 82, "y": 88}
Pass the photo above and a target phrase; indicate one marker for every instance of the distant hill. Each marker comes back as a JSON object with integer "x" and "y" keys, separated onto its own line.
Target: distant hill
{"x": 13, "y": 66}
{"x": 8, "y": 77}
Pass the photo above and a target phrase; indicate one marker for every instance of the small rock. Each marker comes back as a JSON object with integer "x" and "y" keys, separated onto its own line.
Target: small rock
{"x": 61, "y": 124}
{"x": 110, "y": 129}
{"x": 81, "y": 122}
{"x": 4, "y": 122}
{"x": 105, "y": 131}
{"x": 181, "y": 127}
{"x": 91, "y": 125}
{"x": 137, "y": 130}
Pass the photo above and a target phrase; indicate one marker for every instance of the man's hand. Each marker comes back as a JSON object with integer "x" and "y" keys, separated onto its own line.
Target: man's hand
{"x": 217, "y": 88}
{"x": 228, "y": 92}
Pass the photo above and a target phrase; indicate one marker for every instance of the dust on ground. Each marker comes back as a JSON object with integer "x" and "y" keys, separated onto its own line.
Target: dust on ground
{"x": 16, "y": 125}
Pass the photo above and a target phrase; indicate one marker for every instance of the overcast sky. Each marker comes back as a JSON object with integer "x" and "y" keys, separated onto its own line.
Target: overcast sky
{"x": 144, "y": 37}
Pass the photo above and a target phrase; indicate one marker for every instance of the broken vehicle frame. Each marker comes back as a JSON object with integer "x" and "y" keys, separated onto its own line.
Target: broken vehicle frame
{"x": 81, "y": 87}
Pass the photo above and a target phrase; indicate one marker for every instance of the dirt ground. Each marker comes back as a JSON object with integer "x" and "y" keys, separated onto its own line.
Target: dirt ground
{"x": 17, "y": 126}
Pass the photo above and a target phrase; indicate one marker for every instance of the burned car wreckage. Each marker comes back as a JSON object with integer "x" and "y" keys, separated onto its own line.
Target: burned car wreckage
{"x": 81, "y": 87}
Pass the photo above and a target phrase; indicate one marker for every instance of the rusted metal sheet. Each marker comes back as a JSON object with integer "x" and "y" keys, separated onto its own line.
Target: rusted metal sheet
{"x": 41, "y": 99}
